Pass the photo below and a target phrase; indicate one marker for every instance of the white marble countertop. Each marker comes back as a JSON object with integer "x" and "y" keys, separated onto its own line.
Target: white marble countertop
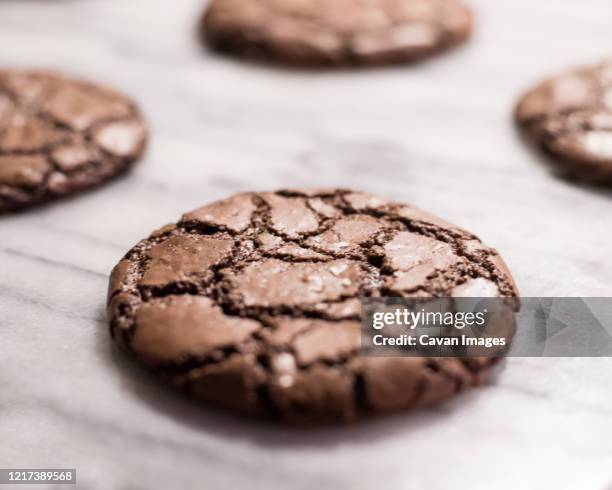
{"x": 438, "y": 135}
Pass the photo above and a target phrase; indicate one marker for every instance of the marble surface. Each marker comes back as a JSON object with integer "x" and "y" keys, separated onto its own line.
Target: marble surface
{"x": 438, "y": 135}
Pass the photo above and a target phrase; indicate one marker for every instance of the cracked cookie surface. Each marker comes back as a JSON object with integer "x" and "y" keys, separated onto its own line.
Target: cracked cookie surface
{"x": 59, "y": 136}
{"x": 570, "y": 117}
{"x": 253, "y": 302}
{"x": 341, "y": 32}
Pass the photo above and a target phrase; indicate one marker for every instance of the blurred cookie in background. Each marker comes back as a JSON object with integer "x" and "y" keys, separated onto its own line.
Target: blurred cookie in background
{"x": 570, "y": 117}
{"x": 59, "y": 136}
{"x": 339, "y": 32}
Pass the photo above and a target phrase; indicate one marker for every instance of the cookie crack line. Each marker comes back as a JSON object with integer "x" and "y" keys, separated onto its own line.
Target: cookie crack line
{"x": 248, "y": 303}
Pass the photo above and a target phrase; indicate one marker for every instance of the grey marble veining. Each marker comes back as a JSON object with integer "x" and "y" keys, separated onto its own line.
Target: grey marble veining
{"x": 438, "y": 135}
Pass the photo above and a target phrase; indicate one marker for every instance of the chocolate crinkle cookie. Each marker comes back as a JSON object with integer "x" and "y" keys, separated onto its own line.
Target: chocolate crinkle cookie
{"x": 58, "y": 136}
{"x": 338, "y": 32}
{"x": 253, "y": 302}
{"x": 570, "y": 117}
